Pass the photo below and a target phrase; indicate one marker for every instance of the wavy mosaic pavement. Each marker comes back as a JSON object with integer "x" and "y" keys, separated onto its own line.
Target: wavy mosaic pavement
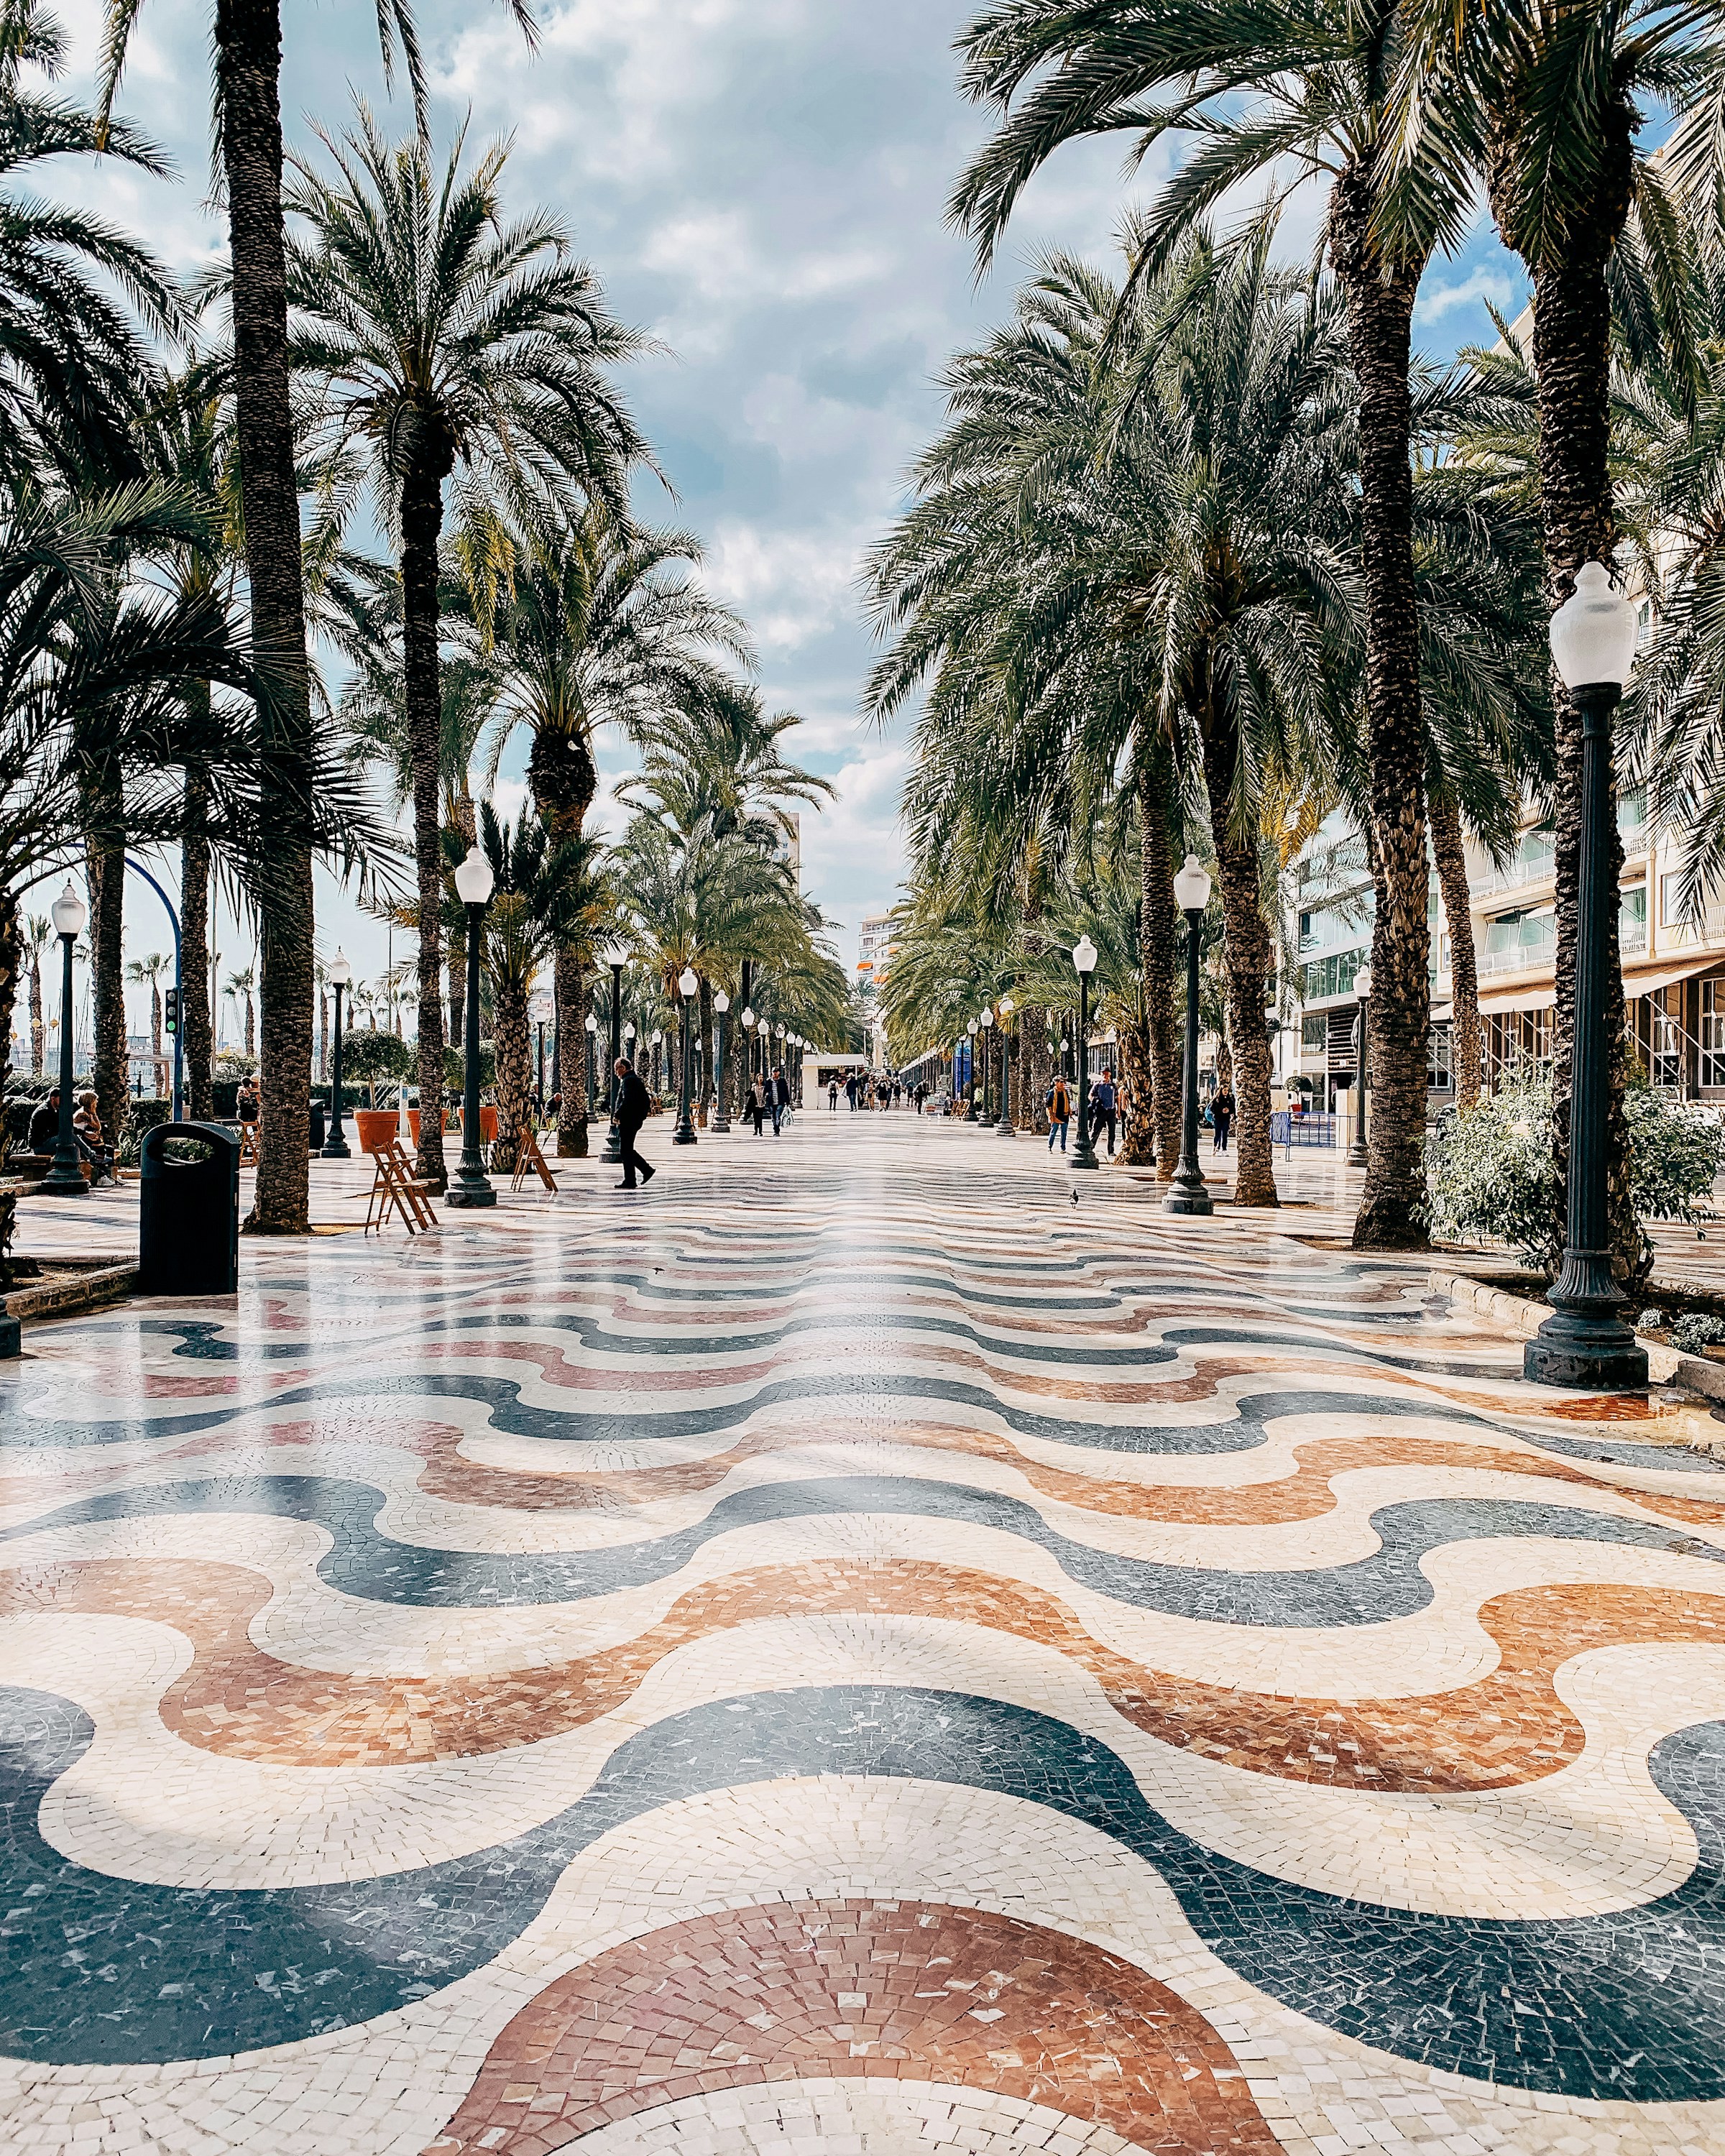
{"x": 387, "y": 1649}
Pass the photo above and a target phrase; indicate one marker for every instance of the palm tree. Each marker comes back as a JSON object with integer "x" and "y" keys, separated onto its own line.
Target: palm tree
{"x": 437, "y": 335}
{"x": 1316, "y": 75}
{"x": 602, "y": 626}
{"x": 38, "y": 937}
{"x": 150, "y": 970}
{"x": 240, "y": 986}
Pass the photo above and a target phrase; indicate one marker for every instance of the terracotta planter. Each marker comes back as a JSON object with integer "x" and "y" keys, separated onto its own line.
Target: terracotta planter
{"x": 377, "y": 1126}
{"x": 488, "y": 1125}
{"x": 449, "y": 1124}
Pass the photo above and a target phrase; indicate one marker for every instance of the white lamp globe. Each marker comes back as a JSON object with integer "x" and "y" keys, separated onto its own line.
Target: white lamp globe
{"x": 721, "y": 1003}
{"x": 1593, "y": 633}
{"x": 985, "y": 1017}
{"x": 1363, "y": 982}
{"x": 69, "y": 911}
{"x": 748, "y": 1017}
{"x": 615, "y": 955}
{"x": 1192, "y": 886}
{"x": 629, "y": 1031}
{"x": 593, "y": 1023}
{"x": 473, "y": 879}
{"x": 1084, "y": 955}
{"x": 686, "y": 981}
{"x": 341, "y": 973}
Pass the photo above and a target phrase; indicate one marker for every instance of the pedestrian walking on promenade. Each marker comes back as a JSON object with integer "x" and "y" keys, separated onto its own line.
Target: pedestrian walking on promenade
{"x": 755, "y": 1107}
{"x": 1058, "y": 1102}
{"x": 779, "y": 1092}
{"x": 1104, "y": 1108}
{"x": 832, "y": 1096}
{"x": 1221, "y": 1115}
{"x": 632, "y": 1108}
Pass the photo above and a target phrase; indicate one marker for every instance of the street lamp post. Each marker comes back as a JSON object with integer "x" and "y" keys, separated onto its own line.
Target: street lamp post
{"x": 658, "y": 1044}
{"x": 335, "y": 1146}
{"x": 985, "y": 1019}
{"x": 1084, "y": 958}
{"x": 721, "y": 1119}
{"x": 970, "y": 1061}
{"x": 592, "y": 1029}
{"x": 1003, "y": 1128}
{"x": 687, "y": 986}
{"x": 65, "y": 1175}
{"x": 616, "y": 958}
{"x": 1585, "y": 1344}
{"x": 472, "y": 1186}
{"x": 1187, "y": 1192}
{"x": 1359, "y": 1153}
{"x": 542, "y": 1013}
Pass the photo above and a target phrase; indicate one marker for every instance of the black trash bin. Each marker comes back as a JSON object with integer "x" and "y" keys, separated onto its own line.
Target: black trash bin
{"x": 317, "y": 1132}
{"x": 188, "y": 1212}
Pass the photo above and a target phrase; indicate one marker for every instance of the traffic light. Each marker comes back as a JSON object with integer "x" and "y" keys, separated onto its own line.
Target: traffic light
{"x": 171, "y": 1010}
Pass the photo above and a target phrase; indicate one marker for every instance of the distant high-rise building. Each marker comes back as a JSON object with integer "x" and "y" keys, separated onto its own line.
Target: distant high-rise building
{"x": 790, "y": 847}
{"x": 874, "y": 948}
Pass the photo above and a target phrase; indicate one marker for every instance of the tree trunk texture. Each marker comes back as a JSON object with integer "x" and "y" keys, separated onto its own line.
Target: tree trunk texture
{"x": 1467, "y": 1059}
{"x": 11, "y": 966}
{"x": 323, "y": 1036}
{"x": 422, "y": 516}
{"x": 572, "y": 1040}
{"x": 106, "y": 870}
{"x": 1137, "y": 1066}
{"x": 511, "y": 1043}
{"x": 38, "y": 1031}
{"x": 155, "y": 1039}
{"x": 196, "y": 1032}
{"x": 1036, "y": 1062}
{"x": 564, "y": 780}
{"x": 1251, "y": 973}
{"x": 1158, "y": 942}
{"x": 249, "y": 68}
{"x": 1572, "y": 364}
{"x": 1380, "y": 309}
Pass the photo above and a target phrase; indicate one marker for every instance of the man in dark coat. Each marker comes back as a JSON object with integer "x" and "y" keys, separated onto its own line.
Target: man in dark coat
{"x": 633, "y": 1105}
{"x": 780, "y": 1097}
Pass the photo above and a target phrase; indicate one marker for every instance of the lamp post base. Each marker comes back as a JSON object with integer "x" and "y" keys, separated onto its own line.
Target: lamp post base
{"x": 612, "y": 1153}
{"x": 1584, "y": 1345}
{"x": 470, "y": 1191}
{"x": 721, "y": 1121}
{"x": 1003, "y": 1129}
{"x": 61, "y": 1181}
{"x": 1084, "y": 1154}
{"x": 1357, "y": 1156}
{"x": 1186, "y": 1193}
{"x": 335, "y": 1149}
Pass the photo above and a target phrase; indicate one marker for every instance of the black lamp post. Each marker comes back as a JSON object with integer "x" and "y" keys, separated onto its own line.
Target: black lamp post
{"x": 65, "y": 1175}
{"x": 616, "y": 958}
{"x": 1083, "y": 957}
{"x": 542, "y": 1013}
{"x": 472, "y": 1186}
{"x": 1187, "y": 1192}
{"x": 335, "y": 1146}
{"x": 1360, "y": 1152}
{"x": 1003, "y": 1128}
{"x": 592, "y": 1031}
{"x": 970, "y": 1066}
{"x": 658, "y": 1043}
{"x": 985, "y": 1019}
{"x": 748, "y": 1052}
{"x": 1585, "y": 1344}
{"x": 687, "y": 988}
{"x": 721, "y": 1119}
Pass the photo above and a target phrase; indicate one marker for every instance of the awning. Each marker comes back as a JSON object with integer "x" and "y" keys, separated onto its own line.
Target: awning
{"x": 1518, "y": 999}
{"x": 1667, "y": 977}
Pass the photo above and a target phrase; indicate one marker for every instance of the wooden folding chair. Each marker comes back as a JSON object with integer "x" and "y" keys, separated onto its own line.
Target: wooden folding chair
{"x": 393, "y": 1184}
{"x": 248, "y": 1145}
{"x": 528, "y": 1156}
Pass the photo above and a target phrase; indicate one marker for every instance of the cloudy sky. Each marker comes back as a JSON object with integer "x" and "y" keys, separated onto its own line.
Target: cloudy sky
{"x": 761, "y": 184}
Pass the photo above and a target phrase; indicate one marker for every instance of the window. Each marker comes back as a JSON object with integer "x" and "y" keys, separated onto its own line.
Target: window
{"x": 1632, "y": 917}
{"x": 1314, "y": 1033}
{"x": 1438, "y": 1077}
{"x": 1333, "y": 975}
{"x": 1520, "y": 931}
{"x": 1667, "y": 1042}
{"x": 1307, "y": 938}
{"x": 1713, "y": 1033}
{"x": 1632, "y": 815}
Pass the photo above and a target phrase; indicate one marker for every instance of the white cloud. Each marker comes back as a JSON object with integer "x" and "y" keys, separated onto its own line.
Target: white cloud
{"x": 1482, "y": 286}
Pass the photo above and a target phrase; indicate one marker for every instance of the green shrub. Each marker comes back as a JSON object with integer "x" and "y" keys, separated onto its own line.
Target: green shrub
{"x": 1697, "y": 1329}
{"x": 455, "y": 1067}
{"x": 1490, "y": 1176}
{"x": 231, "y": 1065}
{"x": 368, "y": 1055}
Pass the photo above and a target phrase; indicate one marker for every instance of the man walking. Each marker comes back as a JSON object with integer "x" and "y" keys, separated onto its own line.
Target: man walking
{"x": 632, "y": 1109}
{"x": 780, "y": 1097}
{"x": 1221, "y": 1116}
{"x": 1104, "y": 1107}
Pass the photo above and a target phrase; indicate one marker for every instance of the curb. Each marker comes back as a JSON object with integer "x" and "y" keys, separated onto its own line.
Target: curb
{"x": 105, "y": 1280}
{"x": 1665, "y": 1365}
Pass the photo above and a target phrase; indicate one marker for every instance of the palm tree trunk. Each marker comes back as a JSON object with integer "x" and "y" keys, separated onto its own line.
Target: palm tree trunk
{"x": 572, "y": 1051}
{"x": 106, "y": 871}
{"x": 1380, "y": 312}
{"x": 37, "y": 1030}
{"x": 1467, "y": 1053}
{"x": 155, "y": 1036}
{"x": 11, "y": 965}
{"x": 1571, "y": 364}
{"x": 1159, "y": 1106}
{"x": 251, "y": 1030}
{"x": 511, "y": 1042}
{"x": 197, "y": 1035}
{"x": 249, "y": 71}
{"x": 422, "y": 516}
{"x": 323, "y": 1036}
{"x": 1034, "y": 1069}
{"x": 1252, "y": 974}
{"x": 564, "y": 780}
